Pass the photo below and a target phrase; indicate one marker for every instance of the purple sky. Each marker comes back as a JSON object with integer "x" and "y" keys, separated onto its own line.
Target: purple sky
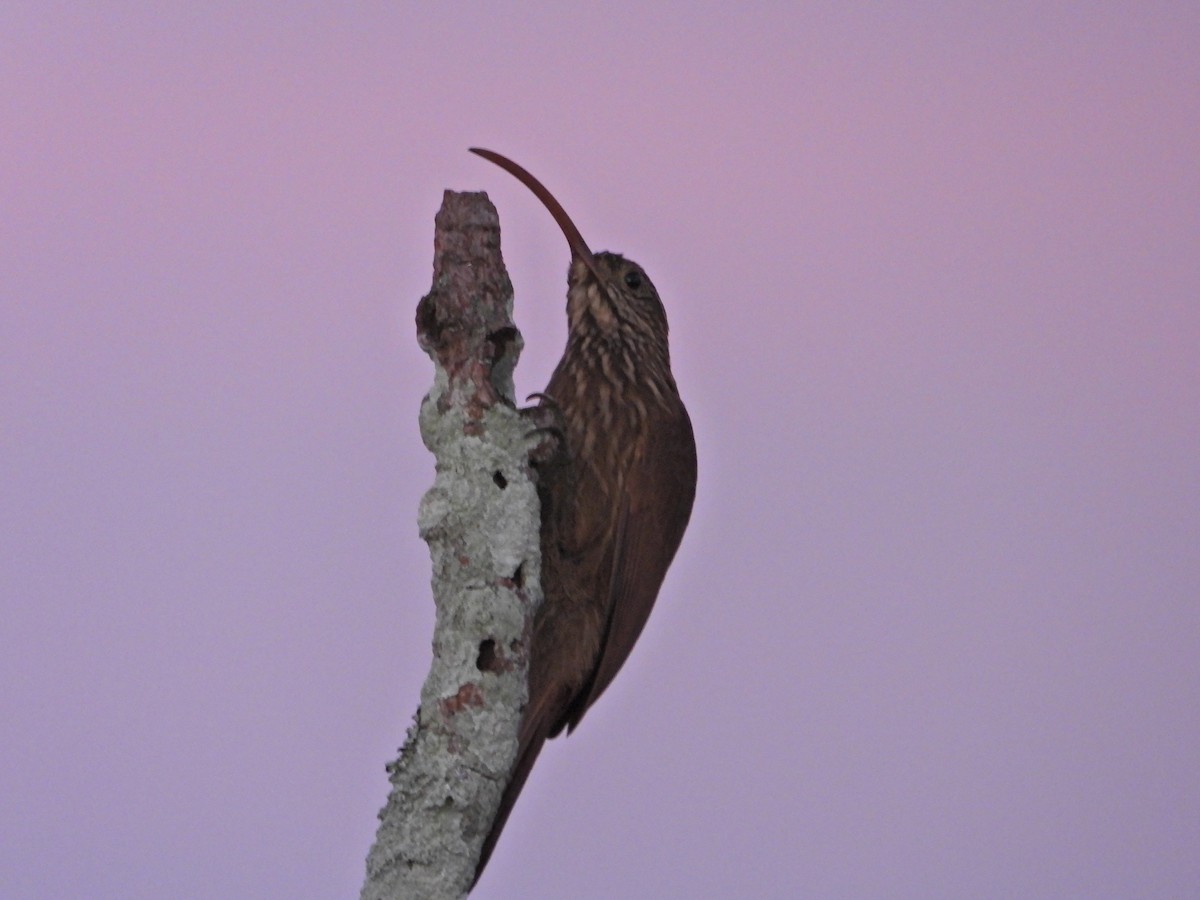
{"x": 934, "y": 285}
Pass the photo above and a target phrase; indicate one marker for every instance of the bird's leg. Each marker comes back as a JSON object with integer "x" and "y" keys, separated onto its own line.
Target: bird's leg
{"x": 548, "y": 439}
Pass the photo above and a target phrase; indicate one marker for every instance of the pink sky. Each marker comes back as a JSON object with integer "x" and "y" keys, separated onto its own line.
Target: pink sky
{"x": 934, "y": 285}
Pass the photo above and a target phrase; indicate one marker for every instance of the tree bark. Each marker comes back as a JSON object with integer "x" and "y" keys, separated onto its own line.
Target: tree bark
{"x": 481, "y": 520}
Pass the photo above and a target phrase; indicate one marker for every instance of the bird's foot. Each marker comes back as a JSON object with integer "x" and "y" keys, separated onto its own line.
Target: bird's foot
{"x": 548, "y": 438}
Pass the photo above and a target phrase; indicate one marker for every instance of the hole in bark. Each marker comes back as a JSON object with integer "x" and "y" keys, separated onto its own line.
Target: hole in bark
{"x": 486, "y": 661}
{"x": 501, "y": 481}
{"x": 518, "y": 577}
{"x": 501, "y": 338}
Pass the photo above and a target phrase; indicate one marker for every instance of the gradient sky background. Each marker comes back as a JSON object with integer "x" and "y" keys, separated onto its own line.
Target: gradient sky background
{"x": 933, "y": 274}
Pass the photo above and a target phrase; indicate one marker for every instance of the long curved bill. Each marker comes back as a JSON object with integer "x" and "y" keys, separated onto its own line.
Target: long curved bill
{"x": 575, "y": 240}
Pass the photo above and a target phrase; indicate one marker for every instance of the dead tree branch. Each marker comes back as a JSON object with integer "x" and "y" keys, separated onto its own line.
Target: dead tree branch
{"x": 481, "y": 521}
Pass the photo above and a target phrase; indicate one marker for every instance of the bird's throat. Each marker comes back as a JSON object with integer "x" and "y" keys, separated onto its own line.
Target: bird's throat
{"x": 589, "y": 308}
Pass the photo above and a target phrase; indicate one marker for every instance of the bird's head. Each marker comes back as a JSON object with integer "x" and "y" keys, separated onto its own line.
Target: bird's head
{"x": 606, "y": 293}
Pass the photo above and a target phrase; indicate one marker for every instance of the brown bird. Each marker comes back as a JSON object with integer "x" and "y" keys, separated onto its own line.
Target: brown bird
{"x": 614, "y": 512}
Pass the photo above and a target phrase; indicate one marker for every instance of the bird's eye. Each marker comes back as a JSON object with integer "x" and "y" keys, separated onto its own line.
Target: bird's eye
{"x": 633, "y": 280}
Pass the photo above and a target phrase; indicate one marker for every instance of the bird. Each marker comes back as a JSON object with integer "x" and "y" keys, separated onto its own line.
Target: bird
{"x": 615, "y": 507}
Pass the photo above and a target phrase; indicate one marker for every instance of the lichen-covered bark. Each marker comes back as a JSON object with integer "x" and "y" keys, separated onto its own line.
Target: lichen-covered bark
{"x": 481, "y": 521}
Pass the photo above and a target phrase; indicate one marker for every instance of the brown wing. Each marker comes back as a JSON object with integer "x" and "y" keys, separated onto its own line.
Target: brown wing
{"x": 658, "y": 503}
{"x": 656, "y": 508}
